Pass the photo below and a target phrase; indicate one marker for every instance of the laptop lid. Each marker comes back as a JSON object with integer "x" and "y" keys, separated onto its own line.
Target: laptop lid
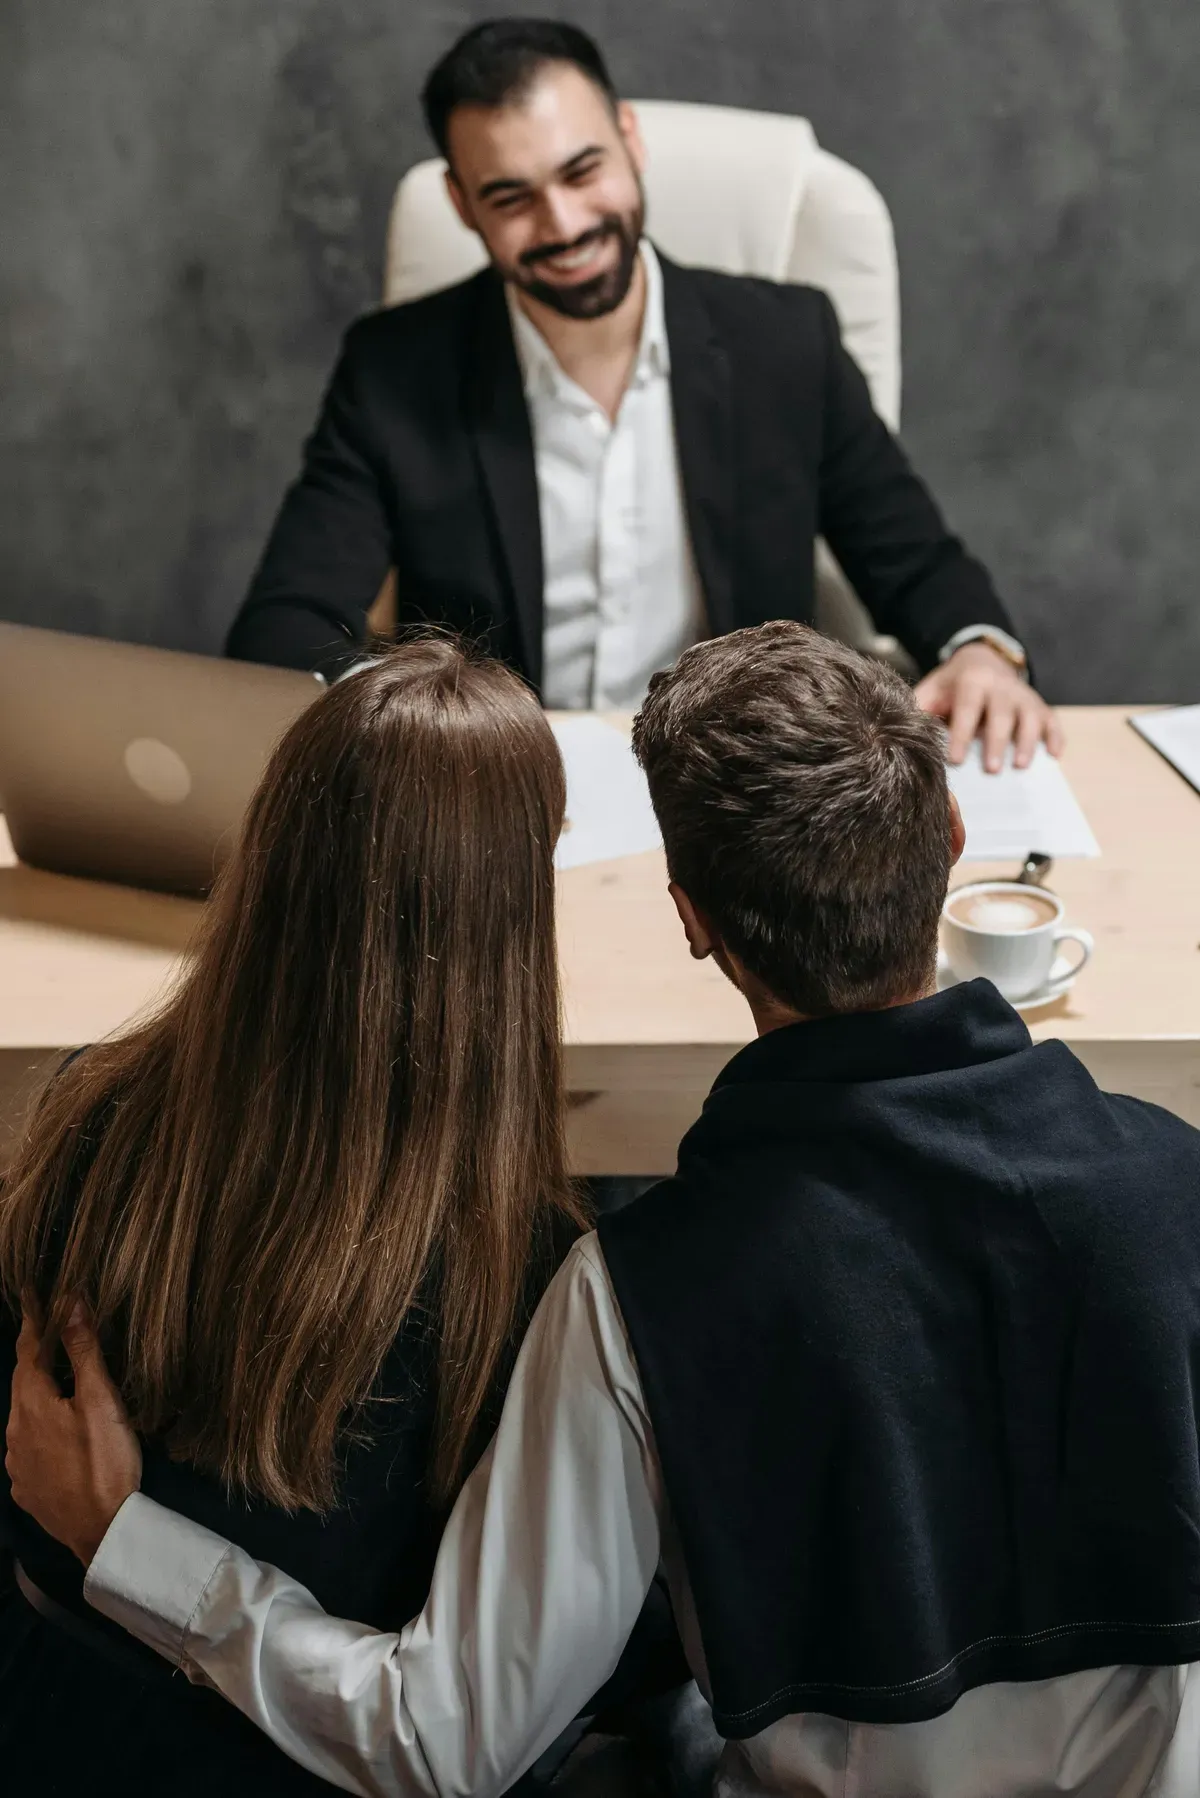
{"x": 131, "y": 764}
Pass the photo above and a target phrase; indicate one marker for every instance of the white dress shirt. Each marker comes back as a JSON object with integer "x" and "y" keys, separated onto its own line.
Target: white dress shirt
{"x": 543, "y": 1569}
{"x": 621, "y": 596}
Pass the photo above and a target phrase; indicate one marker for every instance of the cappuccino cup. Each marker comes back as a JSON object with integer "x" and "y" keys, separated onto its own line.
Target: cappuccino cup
{"x": 1002, "y": 931}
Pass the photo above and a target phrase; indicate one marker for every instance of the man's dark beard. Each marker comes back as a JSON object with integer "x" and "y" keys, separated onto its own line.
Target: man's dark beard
{"x": 604, "y": 293}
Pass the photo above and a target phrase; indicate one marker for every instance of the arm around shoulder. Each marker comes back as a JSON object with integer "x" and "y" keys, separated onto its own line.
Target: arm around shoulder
{"x": 543, "y": 1570}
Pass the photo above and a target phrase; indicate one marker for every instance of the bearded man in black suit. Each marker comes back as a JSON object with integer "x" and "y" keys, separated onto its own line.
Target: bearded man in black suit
{"x": 589, "y": 458}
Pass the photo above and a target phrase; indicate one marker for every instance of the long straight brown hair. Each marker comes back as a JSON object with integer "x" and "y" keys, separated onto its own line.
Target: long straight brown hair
{"x": 350, "y": 1105}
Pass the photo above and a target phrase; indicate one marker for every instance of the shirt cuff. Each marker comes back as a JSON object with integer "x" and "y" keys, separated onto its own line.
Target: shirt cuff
{"x": 151, "y": 1572}
{"x": 974, "y": 633}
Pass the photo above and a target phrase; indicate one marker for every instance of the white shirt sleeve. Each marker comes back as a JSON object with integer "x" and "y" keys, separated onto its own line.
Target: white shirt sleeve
{"x": 974, "y": 633}
{"x": 543, "y": 1569}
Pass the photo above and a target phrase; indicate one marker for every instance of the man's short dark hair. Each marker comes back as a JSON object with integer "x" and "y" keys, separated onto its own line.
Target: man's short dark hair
{"x": 496, "y": 63}
{"x": 802, "y": 797}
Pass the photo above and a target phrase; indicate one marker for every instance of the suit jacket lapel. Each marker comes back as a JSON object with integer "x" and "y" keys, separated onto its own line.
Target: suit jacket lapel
{"x": 703, "y": 406}
{"x": 498, "y": 419}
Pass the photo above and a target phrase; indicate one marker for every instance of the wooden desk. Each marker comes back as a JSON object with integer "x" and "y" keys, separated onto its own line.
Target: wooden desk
{"x": 647, "y": 1028}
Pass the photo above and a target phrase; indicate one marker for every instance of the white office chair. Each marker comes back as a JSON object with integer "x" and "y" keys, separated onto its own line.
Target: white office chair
{"x": 748, "y": 192}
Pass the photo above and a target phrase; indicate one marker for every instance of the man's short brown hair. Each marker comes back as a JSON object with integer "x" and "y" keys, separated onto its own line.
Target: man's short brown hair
{"x": 803, "y": 803}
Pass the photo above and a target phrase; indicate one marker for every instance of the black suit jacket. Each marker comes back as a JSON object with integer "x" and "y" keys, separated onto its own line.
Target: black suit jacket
{"x": 423, "y": 458}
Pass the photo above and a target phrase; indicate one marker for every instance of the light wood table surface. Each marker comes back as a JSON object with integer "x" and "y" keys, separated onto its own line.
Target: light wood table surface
{"x": 648, "y": 1028}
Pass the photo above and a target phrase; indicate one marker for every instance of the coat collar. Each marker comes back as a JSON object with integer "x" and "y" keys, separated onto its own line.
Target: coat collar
{"x": 702, "y": 400}
{"x": 498, "y": 421}
{"x": 963, "y": 1027}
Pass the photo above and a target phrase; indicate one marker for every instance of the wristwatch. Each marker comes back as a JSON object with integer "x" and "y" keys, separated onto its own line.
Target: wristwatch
{"x": 995, "y": 638}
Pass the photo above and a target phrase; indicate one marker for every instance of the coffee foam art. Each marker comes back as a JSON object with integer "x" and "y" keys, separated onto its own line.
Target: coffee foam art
{"x": 1012, "y": 935}
{"x": 1002, "y": 912}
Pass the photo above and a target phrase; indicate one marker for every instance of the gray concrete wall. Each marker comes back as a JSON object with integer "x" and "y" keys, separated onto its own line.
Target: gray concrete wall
{"x": 192, "y": 205}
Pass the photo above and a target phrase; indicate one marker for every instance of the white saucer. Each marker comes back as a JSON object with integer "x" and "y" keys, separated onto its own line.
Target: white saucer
{"x": 1063, "y": 975}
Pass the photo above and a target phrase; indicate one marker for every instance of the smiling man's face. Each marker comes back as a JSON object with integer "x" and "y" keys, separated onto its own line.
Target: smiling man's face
{"x": 552, "y": 184}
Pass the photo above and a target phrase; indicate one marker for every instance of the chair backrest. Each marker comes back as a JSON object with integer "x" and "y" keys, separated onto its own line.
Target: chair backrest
{"x": 748, "y": 192}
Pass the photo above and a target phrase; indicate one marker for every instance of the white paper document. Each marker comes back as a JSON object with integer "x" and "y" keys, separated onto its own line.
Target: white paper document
{"x": 1175, "y": 734}
{"x": 1007, "y": 815}
{"x": 608, "y": 801}
{"x": 1017, "y": 811}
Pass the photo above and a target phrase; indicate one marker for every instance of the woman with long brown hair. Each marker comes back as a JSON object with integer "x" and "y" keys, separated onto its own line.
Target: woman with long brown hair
{"x": 310, "y": 1201}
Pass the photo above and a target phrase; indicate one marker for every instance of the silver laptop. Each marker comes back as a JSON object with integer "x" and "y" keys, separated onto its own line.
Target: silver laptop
{"x": 133, "y": 764}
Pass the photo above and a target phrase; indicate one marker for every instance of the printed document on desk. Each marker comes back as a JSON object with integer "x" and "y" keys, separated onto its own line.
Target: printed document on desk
{"x": 1018, "y": 811}
{"x": 1175, "y": 734}
{"x": 608, "y": 802}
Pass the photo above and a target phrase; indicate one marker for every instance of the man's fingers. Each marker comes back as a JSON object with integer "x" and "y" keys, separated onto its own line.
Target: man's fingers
{"x": 93, "y": 1382}
{"x": 998, "y": 729}
{"x": 935, "y": 694}
{"x": 970, "y": 698}
{"x": 1055, "y": 736}
{"x": 1031, "y": 717}
{"x": 32, "y": 1379}
{"x": 29, "y": 1342}
{"x": 35, "y": 1399}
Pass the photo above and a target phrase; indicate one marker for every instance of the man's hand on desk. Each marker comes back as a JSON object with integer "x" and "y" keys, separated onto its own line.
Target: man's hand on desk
{"x": 979, "y": 693}
{"x": 72, "y": 1461}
